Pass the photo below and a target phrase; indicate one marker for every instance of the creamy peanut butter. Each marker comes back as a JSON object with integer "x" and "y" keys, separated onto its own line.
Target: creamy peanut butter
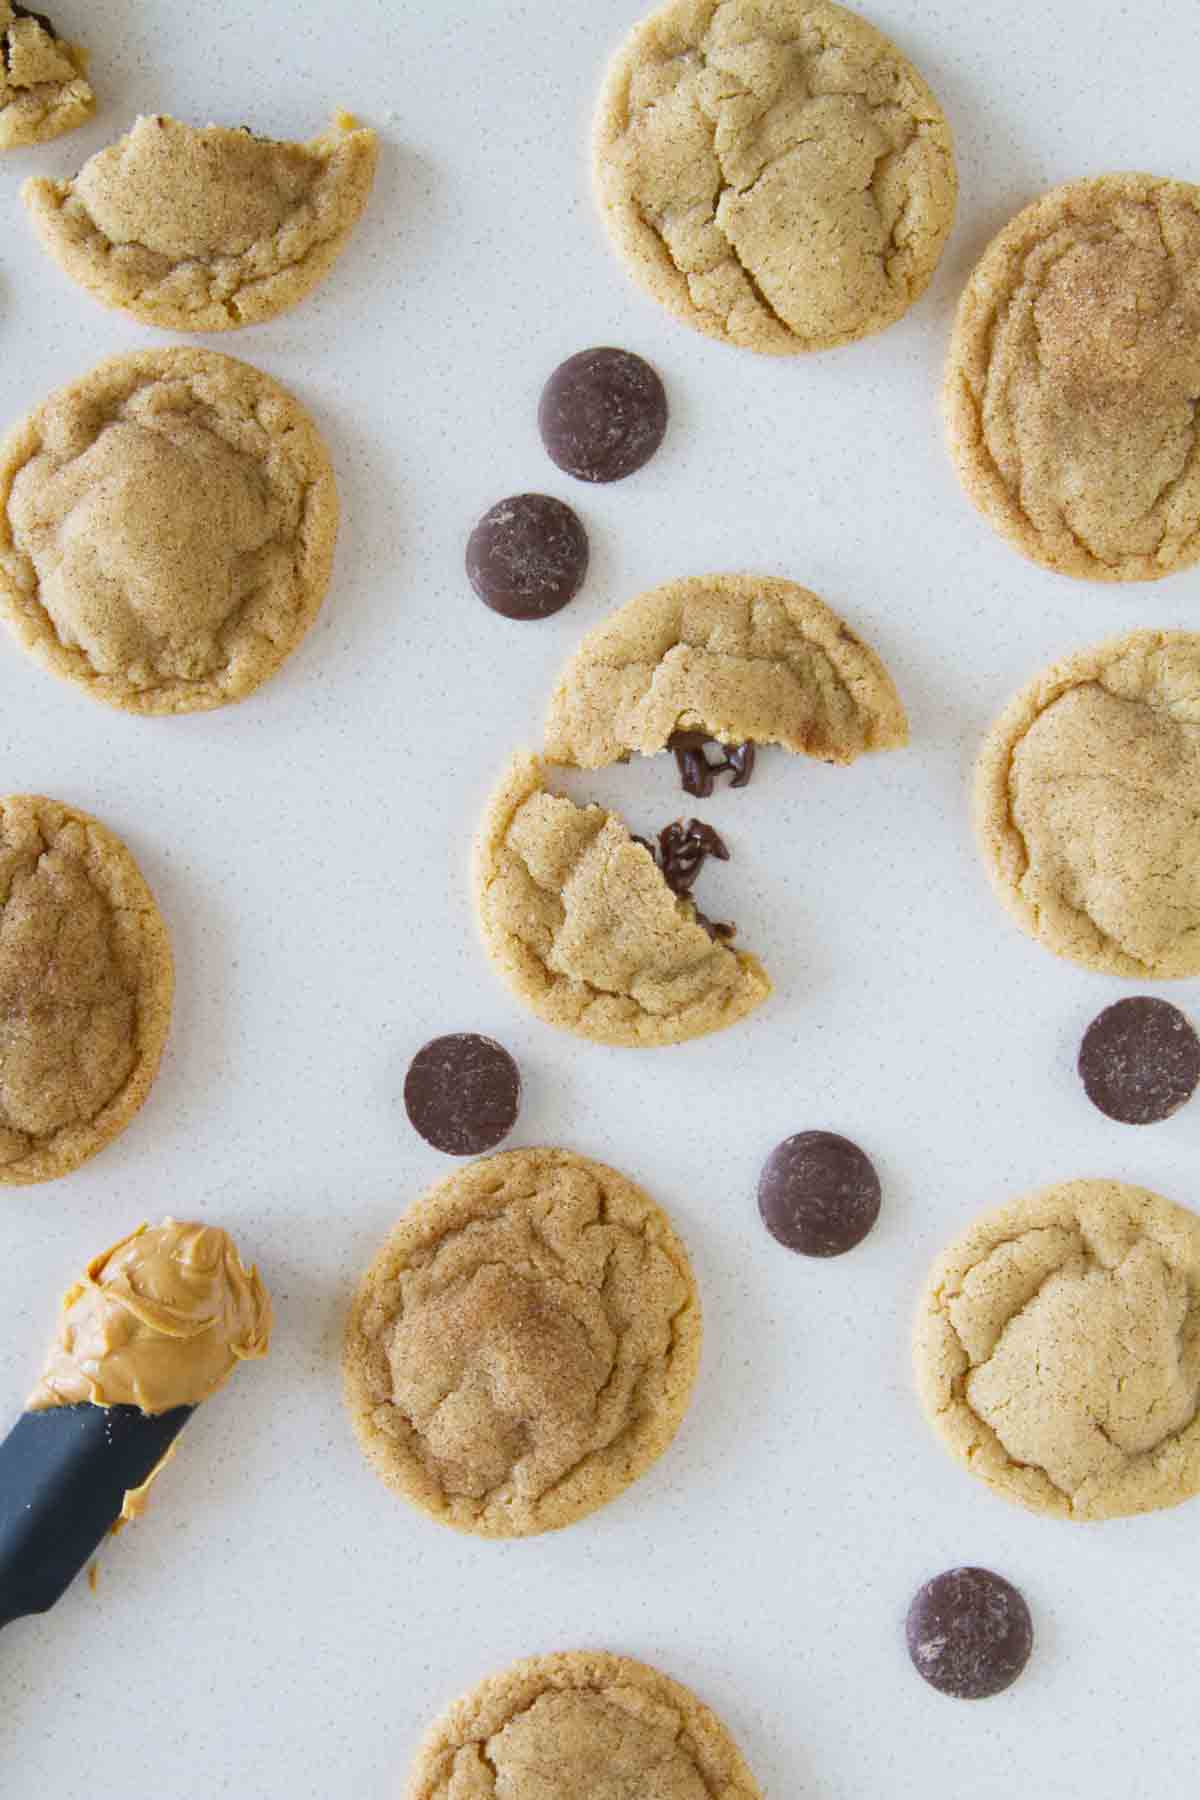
{"x": 158, "y": 1321}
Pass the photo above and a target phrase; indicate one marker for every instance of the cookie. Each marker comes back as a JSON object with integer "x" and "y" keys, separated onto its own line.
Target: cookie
{"x": 1085, "y": 806}
{"x": 86, "y": 980}
{"x": 774, "y": 172}
{"x": 44, "y": 89}
{"x": 579, "y": 920}
{"x": 735, "y": 657}
{"x": 1057, "y": 1351}
{"x": 582, "y": 1725}
{"x": 167, "y": 526}
{"x": 1070, "y": 394}
{"x": 524, "y": 1345}
{"x": 205, "y": 229}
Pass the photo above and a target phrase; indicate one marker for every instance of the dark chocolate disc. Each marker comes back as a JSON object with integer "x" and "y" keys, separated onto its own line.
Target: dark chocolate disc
{"x": 527, "y": 556}
{"x": 818, "y": 1194}
{"x": 969, "y": 1633}
{"x": 463, "y": 1093}
{"x": 603, "y": 413}
{"x": 1140, "y": 1060}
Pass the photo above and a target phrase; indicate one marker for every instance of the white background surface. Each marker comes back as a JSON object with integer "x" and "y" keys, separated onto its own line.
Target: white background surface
{"x": 281, "y": 1626}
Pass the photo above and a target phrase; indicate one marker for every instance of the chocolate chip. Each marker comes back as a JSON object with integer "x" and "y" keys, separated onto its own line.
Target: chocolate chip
{"x": 462, "y": 1093}
{"x": 818, "y": 1194}
{"x": 527, "y": 557}
{"x": 681, "y": 852}
{"x": 969, "y": 1633}
{"x": 697, "y": 774}
{"x": 1140, "y": 1060}
{"x": 603, "y": 414}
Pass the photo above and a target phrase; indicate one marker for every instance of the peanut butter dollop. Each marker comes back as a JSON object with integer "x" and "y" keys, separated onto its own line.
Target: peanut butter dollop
{"x": 158, "y": 1321}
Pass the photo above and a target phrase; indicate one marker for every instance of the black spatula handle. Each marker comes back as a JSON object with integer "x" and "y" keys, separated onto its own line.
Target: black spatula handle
{"x": 63, "y": 1478}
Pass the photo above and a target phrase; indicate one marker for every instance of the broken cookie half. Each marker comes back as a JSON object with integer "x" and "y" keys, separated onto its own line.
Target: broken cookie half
{"x": 43, "y": 80}
{"x": 594, "y": 933}
{"x": 206, "y": 229}
{"x": 740, "y": 660}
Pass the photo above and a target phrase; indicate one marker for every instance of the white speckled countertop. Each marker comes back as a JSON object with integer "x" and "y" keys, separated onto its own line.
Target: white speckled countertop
{"x": 280, "y": 1627}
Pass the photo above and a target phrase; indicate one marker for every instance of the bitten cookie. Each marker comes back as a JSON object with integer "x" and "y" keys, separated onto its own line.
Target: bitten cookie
{"x": 581, "y": 1725}
{"x": 1070, "y": 393}
{"x": 743, "y": 658}
{"x": 43, "y": 79}
{"x": 205, "y": 229}
{"x": 86, "y": 980}
{"x": 1085, "y": 806}
{"x": 580, "y": 922}
{"x": 1058, "y": 1351}
{"x": 524, "y": 1345}
{"x": 167, "y": 527}
{"x": 774, "y": 172}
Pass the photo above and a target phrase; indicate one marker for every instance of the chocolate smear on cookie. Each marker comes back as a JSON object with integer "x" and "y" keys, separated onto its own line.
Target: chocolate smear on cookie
{"x": 697, "y": 774}
{"x": 683, "y": 849}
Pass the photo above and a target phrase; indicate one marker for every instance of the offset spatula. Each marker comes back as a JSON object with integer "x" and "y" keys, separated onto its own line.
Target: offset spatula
{"x": 64, "y": 1474}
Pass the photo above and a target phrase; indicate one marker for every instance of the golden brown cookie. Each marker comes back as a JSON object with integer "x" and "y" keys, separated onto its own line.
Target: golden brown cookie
{"x": 1085, "y": 806}
{"x": 167, "y": 526}
{"x": 1057, "y": 1350}
{"x": 1072, "y": 383}
{"x": 580, "y": 922}
{"x": 774, "y": 172}
{"x": 740, "y": 657}
{"x": 524, "y": 1345}
{"x": 86, "y": 980}
{"x": 43, "y": 79}
{"x": 206, "y": 229}
{"x": 581, "y": 1725}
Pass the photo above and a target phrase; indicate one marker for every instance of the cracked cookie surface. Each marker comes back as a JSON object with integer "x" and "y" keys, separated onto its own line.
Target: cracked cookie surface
{"x": 580, "y": 923}
{"x": 581, "y": 1725}
{"x": 774, "y": 172}
{"x": 167, "y": 527}
{"x": 1086, "y": 806}
{"x": 205, "y": 229}
{"x": 524, "y": 1345}
{"x": 1073, "y": 379}
{"x": 740, "y": 657}
{"x": 44, "y": 89}
{"x": 86, "y": 981}
{"x": 1057, "y": 1351}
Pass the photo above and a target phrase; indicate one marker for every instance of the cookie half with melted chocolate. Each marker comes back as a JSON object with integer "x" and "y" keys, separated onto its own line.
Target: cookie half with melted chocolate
{"x": 595, "y": 930}
{"x": 712, "y": 667}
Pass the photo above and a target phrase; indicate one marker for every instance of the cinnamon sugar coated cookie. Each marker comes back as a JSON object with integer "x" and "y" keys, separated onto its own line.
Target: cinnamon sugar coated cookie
{"x": 579, "y": 920}
{"x": 44, "y": 89}
{"x": 205, "y": 229}
{"x": 1057, "y": 1351}
{"x": 1085, "y": 806}
{"x": 167, "y": 527}
{"x": 774, "y": 172}
{"x": 581, "y": 1725}
{"x": 524, "y": 1345}
{"x": 1071, "y": 387}
{"x": 86, "y": 981}
{"x": 741, "y": 658}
